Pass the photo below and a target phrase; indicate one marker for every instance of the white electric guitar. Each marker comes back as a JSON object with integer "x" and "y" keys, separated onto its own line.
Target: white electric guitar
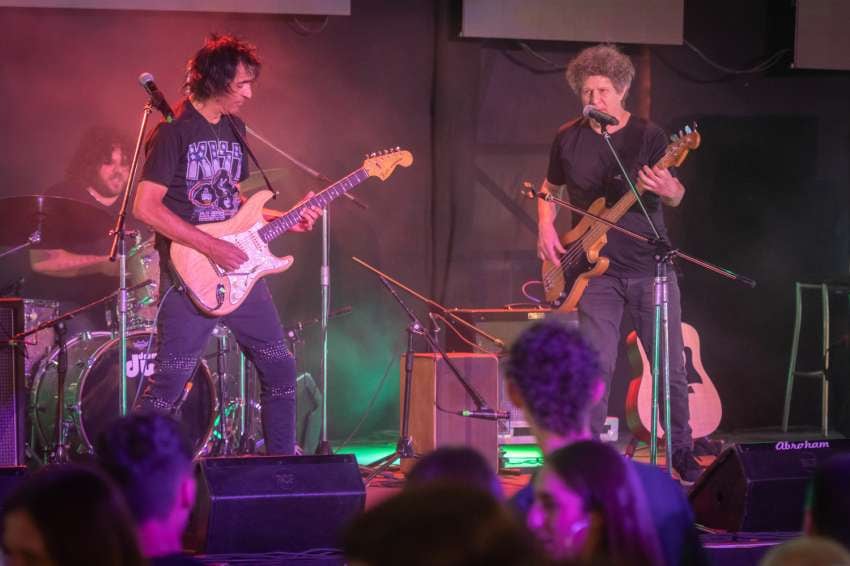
{"x": 218, "y": 292}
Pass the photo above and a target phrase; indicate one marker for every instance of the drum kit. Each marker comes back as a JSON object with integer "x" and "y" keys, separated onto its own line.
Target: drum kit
{"x": 220, "y": 403}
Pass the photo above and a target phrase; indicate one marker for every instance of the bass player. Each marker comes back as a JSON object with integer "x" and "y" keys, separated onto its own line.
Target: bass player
{"x": 581, "y": 163}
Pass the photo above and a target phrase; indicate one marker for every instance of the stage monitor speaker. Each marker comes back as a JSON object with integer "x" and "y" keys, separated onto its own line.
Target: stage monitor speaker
{"x": 256, "y": 504}
{"x": 760, "y": 487}
{"x": 437, "y": 396}
{"x": 12, "y": 394}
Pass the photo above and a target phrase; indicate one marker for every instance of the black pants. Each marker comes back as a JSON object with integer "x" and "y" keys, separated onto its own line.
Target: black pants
{"x": 600, "y": 312}
{"x": 183, "y": 333}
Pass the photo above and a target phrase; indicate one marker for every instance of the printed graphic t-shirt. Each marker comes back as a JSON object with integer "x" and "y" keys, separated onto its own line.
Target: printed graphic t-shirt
{"x": 200, "y": 164}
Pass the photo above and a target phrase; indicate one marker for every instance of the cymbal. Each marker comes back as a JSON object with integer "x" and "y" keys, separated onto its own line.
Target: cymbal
{"x": 62, "y": 221}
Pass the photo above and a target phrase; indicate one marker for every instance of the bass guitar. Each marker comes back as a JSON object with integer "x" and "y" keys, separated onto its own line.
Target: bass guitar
{"x": 703, "y": 399}
{"x": 564, "y": 282}
{"x": 217, "y": 292}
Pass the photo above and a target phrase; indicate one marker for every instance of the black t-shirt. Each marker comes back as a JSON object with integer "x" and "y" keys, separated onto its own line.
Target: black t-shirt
{"x": 200, "y": 164}
{"x": 581, "y": 160}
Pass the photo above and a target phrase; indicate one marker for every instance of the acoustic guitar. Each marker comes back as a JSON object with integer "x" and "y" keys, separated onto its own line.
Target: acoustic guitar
{"x": 217, "y": 292}
{"x": 703, "y": 399}
{"x": 564, "y": 282}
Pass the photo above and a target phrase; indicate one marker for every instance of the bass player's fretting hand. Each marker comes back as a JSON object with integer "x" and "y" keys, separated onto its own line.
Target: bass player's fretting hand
{"x": 549, "y": 246}
{"x": 662, "y": 183}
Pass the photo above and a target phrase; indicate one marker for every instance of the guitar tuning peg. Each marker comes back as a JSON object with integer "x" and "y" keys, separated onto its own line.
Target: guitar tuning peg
{"x": 397, "y": 148}
{"x": 688, "y": 130}
{"x": 674, "y": 138}
{"x": 372, "y": 154}
{"x": 695, "y": 124}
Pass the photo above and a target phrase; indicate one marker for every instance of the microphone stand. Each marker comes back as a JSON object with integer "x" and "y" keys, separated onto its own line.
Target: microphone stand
{"x": 663, "y": 256}
{"x": 324, "y": 280}
{"x": 404, "y": 447}
{"x": 119, "y": 250}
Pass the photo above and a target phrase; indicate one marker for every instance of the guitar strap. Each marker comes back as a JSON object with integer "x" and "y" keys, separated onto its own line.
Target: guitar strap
{"x": 250, "y": 153}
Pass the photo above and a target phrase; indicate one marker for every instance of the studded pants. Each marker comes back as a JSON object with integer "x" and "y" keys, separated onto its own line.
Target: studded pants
{"x": 182, "y": 335}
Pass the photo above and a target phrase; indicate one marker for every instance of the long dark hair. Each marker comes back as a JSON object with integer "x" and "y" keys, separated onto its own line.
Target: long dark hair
{"x": 608, "y": 485}
{"x": 80, "y": 515}
{"x": 213, "y": 67}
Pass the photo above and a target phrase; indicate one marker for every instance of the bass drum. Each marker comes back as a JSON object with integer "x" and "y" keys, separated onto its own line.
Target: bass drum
{"x": 93, "y": 392}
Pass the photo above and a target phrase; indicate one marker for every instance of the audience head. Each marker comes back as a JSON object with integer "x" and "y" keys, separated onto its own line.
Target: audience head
{"x": 807, "y": 551}
{"x": 828, "y": 513}
{"x": 150, "y": 459}
{"x": 553, "y": 374}
{"x": 68, "y": 515}
{"x": 458, "y": 465}
{"x": 444, "y": 524}
{"x": 589, "y": 506}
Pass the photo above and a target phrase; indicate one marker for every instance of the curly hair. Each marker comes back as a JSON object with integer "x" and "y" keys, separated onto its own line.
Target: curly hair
{"x": 95, "y": 149}
{"x": 555, "y": 371}
{"x": 146, "y": 455}
{"x": 212, "y": 69}
{"x": 604, "y": 60}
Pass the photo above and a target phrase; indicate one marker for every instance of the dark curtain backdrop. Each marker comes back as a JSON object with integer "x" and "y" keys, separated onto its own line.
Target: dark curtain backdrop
{"x": 767, "y": 191}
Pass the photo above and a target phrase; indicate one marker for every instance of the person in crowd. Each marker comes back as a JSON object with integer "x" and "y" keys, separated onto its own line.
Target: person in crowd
{"x": 553, "y": 376}
{"x": 445, "y": 524}
{"x": 68, "y": 515}
{"x": 589, "y": 508}
{"x": 150, "y": 459}
{"x": 807, "y": 551}
{"x": 456, "y": 464}
{"x": 828, "y": 508}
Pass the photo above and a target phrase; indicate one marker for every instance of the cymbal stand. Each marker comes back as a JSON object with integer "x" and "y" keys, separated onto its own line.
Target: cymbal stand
{"x": 32, "y": 240}
{"x": 119, "y": 251}
{"x": 60, "y": 449}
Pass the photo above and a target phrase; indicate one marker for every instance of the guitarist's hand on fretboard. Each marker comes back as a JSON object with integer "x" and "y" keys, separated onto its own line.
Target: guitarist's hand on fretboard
{"x": 308, "y": 216}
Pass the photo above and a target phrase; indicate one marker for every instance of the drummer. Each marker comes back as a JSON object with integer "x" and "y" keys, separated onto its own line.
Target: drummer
{"x": 80, "y": 273}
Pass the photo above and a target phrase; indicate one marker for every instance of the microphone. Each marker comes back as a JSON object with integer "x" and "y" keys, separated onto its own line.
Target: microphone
{"x": 604, "y": 119}
{"x": 157, "y": 98}
{"x": 485, "y": 415}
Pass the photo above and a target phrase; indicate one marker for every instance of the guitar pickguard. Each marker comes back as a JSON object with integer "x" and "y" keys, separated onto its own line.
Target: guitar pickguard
{"x": 260, "y": 261}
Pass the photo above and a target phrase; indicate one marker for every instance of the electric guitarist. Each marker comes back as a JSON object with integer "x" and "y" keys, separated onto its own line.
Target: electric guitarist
{"x": 190, "y": 177}
{"x": 581, "y": 162}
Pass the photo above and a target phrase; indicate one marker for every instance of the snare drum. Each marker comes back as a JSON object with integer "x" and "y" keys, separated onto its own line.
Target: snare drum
{"x": 92, "y": 392}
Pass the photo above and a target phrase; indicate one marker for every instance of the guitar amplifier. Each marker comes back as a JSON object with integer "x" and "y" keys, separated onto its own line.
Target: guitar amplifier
{"x": 506, "y": 325}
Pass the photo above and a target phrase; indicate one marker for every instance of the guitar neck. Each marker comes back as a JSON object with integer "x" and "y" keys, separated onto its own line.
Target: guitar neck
{"x": 322, "y": 199}
{"x": 627, "y": 200}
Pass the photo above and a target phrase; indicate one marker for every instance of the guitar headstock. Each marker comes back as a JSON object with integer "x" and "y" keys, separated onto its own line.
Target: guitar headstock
{"x": 382, "y": 164}
{"x": 685, "y": 140}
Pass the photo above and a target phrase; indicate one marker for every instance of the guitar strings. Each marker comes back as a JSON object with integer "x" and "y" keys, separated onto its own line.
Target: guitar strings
{"x": 596, "y": 230}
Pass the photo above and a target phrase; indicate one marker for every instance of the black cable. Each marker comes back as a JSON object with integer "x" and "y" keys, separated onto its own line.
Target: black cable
{"x": 306, "y": 31}
{"x": 761, "y": 67}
